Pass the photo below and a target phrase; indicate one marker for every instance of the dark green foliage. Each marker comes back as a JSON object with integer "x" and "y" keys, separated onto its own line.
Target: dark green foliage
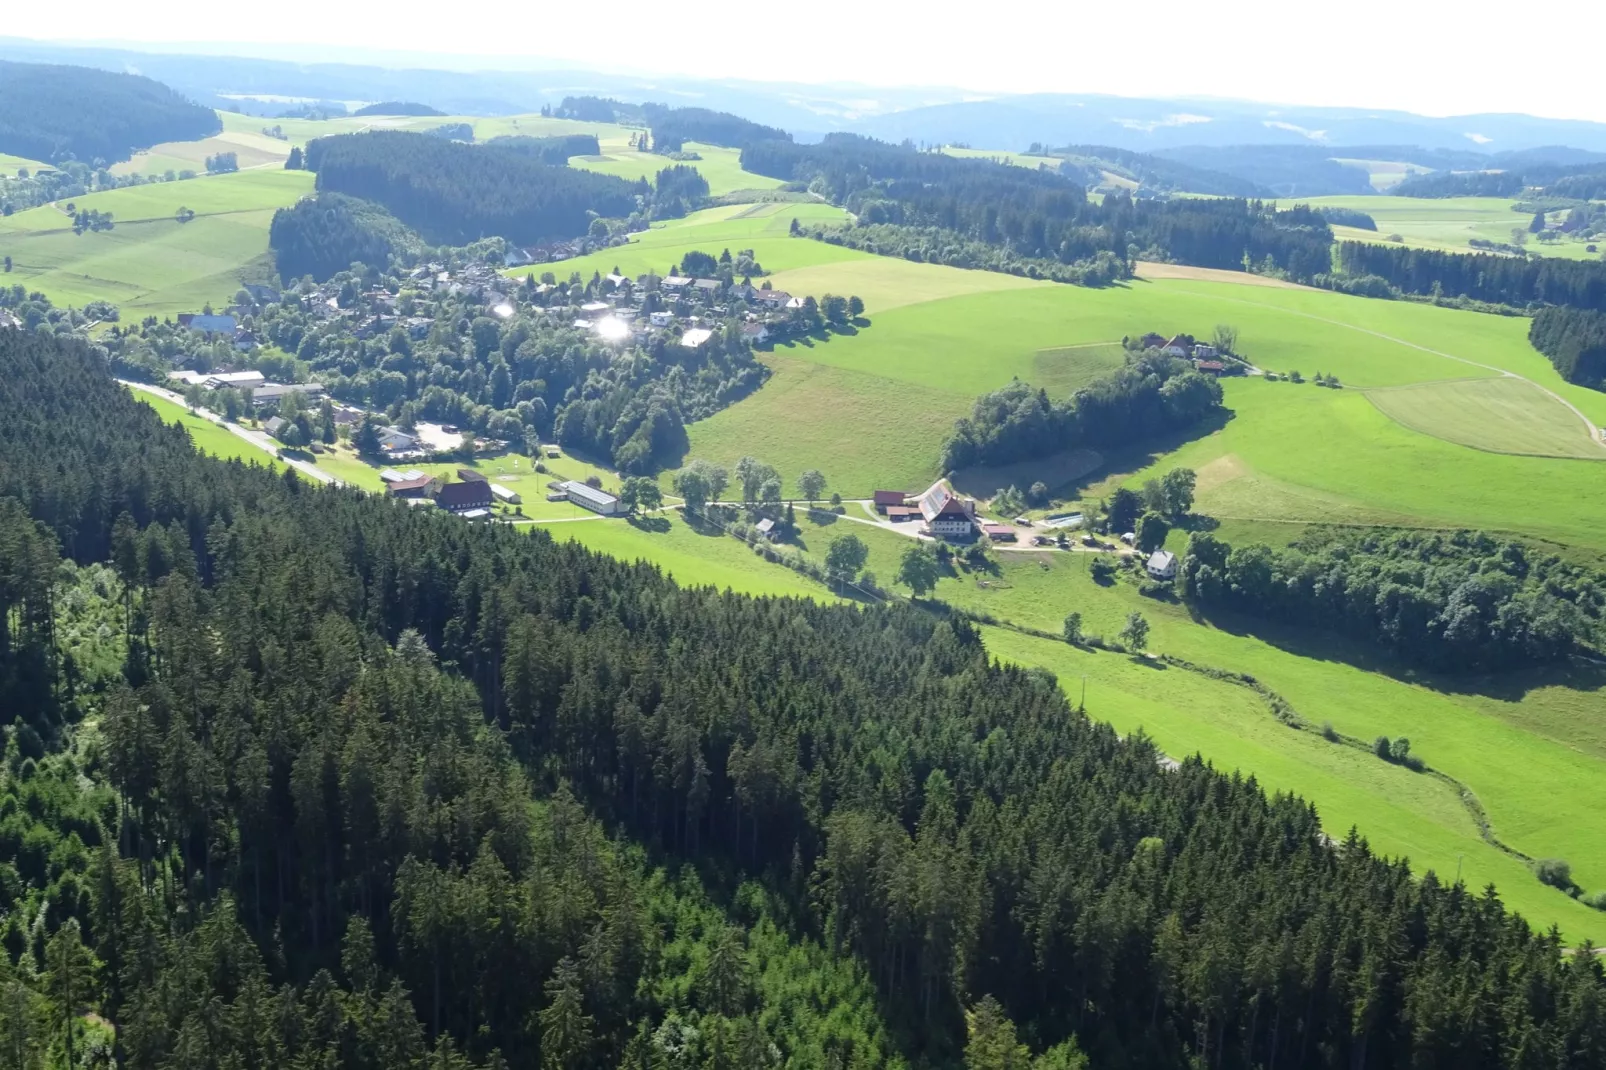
{"x": 1156, "y": 172}
{"x": 398, "y": 107}
{"x": 1461, "y": 184}
{"x": 1039, "y": 214}
{"x": 549, "y": 150}
{"x": 55, "y": 113}
{"x": 1575, "y": 341}
{"x": 1152, "y": 394}
{"x": 223, "y": 163}
{"x": 679, "y": 189}
{"x": 591, "y": 109}
{"x": 337, "y": 709}
{"x": 935, "y": 245}
{"x": 1504, "y": 280}
{"x": 453, "y": 194}
{"x": 1284, "y": 170}
{"x": 1347, "y": 217}
{"x": 323, "y": 235}
{"x": 1466, "y": 602}
{"x": 673, "y": 127}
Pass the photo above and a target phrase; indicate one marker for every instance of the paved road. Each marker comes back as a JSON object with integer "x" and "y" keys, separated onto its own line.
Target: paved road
{"x": 256, "y": 438}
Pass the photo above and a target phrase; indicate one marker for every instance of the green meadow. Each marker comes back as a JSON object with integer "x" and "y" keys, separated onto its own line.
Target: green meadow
{"x": 208, "y": 436}
{"x": 1446, "y": 223}
{"x": 149, "y": 263}
{"x": 10, "y": 165}
{"x": 721, "y": 167}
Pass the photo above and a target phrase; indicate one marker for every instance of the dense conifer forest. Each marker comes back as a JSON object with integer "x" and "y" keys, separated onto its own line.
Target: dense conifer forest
{"x": 1039, "y": 214}
{"x": 554, "y": 150}
{"x": 673, "y": 127}
{"x": 1575, "y": 341}
{"x": 54, "y": 113}
{"x": 1151, "y": 395}
{"x": 323, "y": 235}
{"x": 454, "y": 194}
{"x": 1503, "y": 280}
{"x": 365, "y": 786}
{"x": 397, "y": 107}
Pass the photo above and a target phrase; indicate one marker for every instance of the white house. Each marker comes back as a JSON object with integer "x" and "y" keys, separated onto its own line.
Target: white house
{"x": 947, "y": 515}
{"x": 590, "y": 497}
{"x": 1162, "y": 565}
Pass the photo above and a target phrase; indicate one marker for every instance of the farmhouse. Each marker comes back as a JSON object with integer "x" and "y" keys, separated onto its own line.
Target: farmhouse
{"x": 998, "y": 532}
{"x": 773, "y": 298}
{"x": 1162, "y": 565}
{"x": 465, "y": 497}
{"x": 885, "y": 499}
{"x": 276, "y": 426}
{"x": 946, "y": 514}
{"x": 419, "y": 487}
{"x": 1177, "y": 346}
{"x": 755, "y": 333}
{"x": 590, "y": 497}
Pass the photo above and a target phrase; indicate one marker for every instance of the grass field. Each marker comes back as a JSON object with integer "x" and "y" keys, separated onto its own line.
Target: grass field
{"x": 722, "y": 167}
{"x": 149, "y": 263}
{"x": 1444, "y": 223}
{"x": 1504, "y": 415}
{"x": 1014, "y": 159}
{"x": 1385, "y": 174}
{"x": 761, "y": 227}
{"x": 10, "y": 165}
{"x": 208, "y": 436}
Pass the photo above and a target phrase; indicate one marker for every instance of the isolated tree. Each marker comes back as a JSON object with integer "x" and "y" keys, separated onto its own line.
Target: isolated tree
{"x": 692, "y": 485}
{"x": 811, "y": 484}
{"x": 919, "y": 570}
{"x": 1176, "y": 492}
{"x": 640, "y": 492}
{"x": 1152, "y": 532}
{"x": 1123, "y": 510}
{"x": 294, "y": 163}
{"x": 1226, "y": 338}
{"x": 713, "y": 476}
{"x": 845, "y": 557}
{"x": 1538, "y": 224}
{"x": 753, "y": 474}
{"x": 1400, "y": 750}
{"x": 1135, "y": 633}
{"x": 1073, "y": 629}
{"x": 855, "y": 306}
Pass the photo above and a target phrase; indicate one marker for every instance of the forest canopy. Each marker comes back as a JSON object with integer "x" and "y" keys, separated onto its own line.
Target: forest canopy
{"x": 53, "y": 113}
{"x": 398, "y": 107}
{"x": 325, "y": 234}
{"x": 454, "y": 194}
{"x": 1575, "y": 341}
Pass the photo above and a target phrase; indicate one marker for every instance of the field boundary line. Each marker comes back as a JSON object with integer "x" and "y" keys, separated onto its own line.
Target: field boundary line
{"x": 1596, "y": 434}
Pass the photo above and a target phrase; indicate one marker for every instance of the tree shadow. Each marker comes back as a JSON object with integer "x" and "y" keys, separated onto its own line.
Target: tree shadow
{"x": 1120, "y": 462}
{"x": 656, "y": 524}
{"x": 823, "y": 517}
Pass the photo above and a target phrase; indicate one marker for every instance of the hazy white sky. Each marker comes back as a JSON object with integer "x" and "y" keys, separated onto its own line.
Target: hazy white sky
{"x": 1441, "y": 58}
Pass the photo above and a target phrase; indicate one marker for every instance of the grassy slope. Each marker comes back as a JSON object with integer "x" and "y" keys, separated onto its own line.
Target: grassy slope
{"x": 1504, "y": 415}
{"x": 149, "y": 263}
{"x": 208, "y": 436}
{"x": 1444, "y": 223}
{"x": 721, "y": 167}
{"x": 9, "y": 164}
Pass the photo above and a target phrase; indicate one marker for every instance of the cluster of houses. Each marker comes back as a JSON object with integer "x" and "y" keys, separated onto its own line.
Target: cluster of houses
{"x": 471, "y": 496}
{"x": 697, "y": 306}
{"x": 1206, "y": 358}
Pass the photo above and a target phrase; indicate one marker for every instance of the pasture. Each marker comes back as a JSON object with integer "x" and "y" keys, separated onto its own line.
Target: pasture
{"x": 10, "y": 165}
{"x": 1504, "y": 415}
{"x": 149, "y": 263}
{"x": 721, "y": 167}
{"x": 1446, "y": 223}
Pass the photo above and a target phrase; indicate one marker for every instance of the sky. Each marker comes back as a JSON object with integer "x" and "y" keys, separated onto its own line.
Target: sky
{"x": 1445, "y": 57}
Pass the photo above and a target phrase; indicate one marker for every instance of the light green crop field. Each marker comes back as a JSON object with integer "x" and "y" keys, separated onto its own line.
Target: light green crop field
{"x": 1506, "y": 415}
{"x": 1446, "y": 223}
{"x": 1385, "y": 174}
{"x": 149, "y": 263}
{"x": 721, "y": 167}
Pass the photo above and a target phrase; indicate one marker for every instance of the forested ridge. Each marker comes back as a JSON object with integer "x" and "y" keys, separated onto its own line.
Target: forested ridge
{"x": 54, "y": 113}
{"x": 1039, "y": 214}
{"x": 1505, "y": 280}
{"x": 454, "y": 194}
{"x": 332, "y": 712}
{"x": 1575, "y": 341}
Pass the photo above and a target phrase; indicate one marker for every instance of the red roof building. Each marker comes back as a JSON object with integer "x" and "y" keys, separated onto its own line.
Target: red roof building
{"x": 886, "y": 498}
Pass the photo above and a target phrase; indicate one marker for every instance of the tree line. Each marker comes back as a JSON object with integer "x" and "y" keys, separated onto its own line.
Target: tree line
{"x": 1575, "y": 341}
{"x": 554, "y": 150}
{"x": 56, "y": 113}
{"x": 1149, "y": 395}
{"x": 454, "y": 194}
{"x": 1039, "y": 214}
{"x": 673, "y": 127}
{"x": 1503, "y": 280}
{"x": 1467, "y": 602}
{"x": 333, "y": 712}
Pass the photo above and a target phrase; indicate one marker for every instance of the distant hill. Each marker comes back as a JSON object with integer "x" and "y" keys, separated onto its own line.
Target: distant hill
{"x": 1156, "y": 172}
{"x": 398, "y": 107}
{"x": 1286, "y": 170}
{"x": 53, "y": 113}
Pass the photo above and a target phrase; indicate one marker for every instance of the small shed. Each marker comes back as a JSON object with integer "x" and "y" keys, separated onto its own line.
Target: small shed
{"x": 885, "y": 499}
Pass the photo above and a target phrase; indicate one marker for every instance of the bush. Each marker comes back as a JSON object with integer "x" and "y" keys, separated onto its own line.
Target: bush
{"x": 1555, "y": 872}
{"x": 1595, "y": 899}
{"x": 1329, "y": 733}
{"x": 1380, "y": 747}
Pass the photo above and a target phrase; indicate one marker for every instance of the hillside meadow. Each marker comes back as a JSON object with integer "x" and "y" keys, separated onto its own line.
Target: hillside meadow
{"x": 150, "y": 263}
{"x": 1446, "y": 223}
